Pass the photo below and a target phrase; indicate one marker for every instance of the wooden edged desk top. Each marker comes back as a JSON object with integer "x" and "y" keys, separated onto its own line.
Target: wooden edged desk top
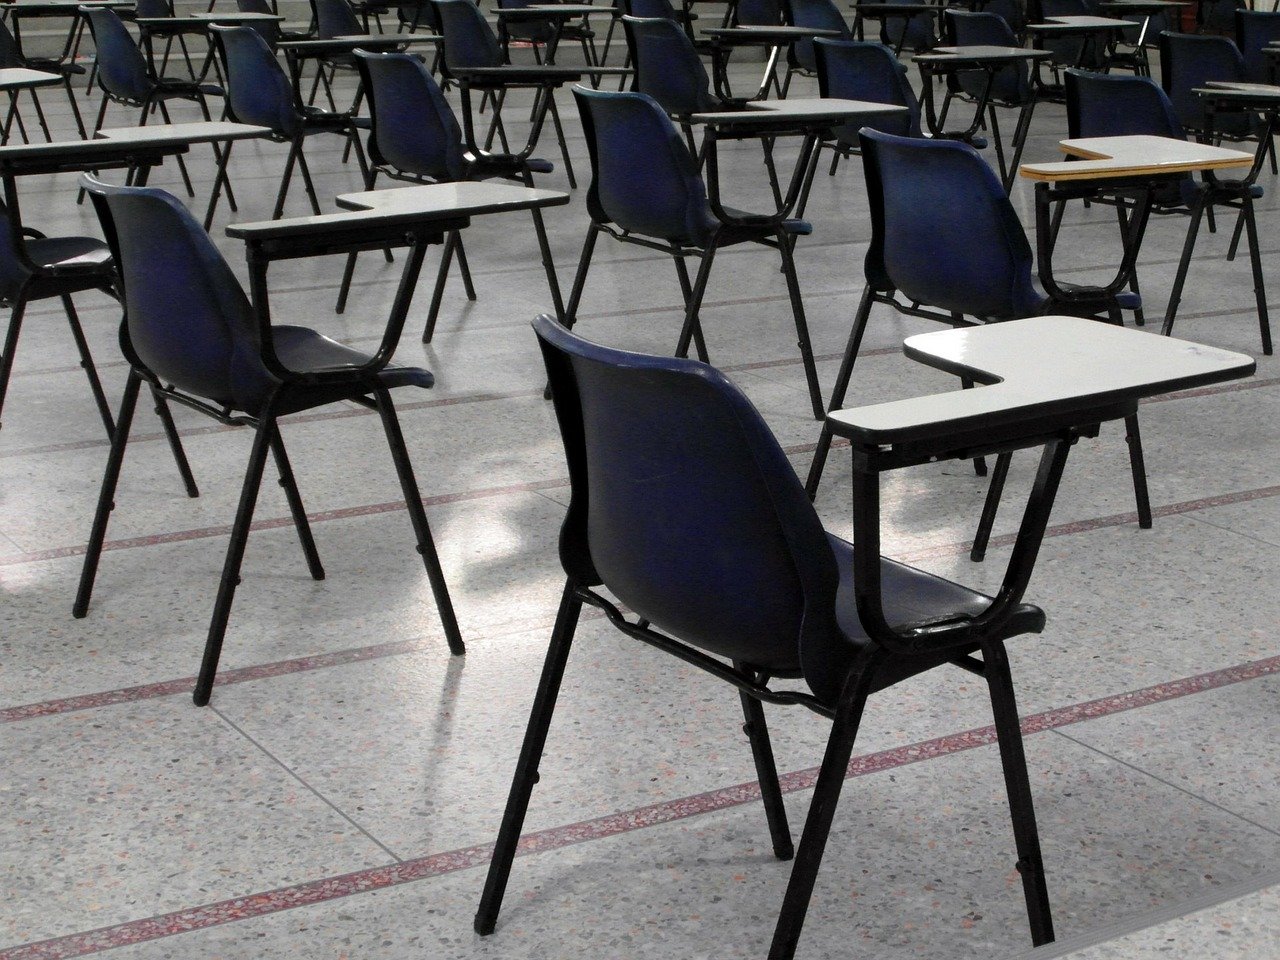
{"x": 200, "y": 131}
{"x": 405, "y": 205}
{"x": 1109, "y": 158}
{"x": 978, "y": 54}
{"x": 20, "y": 78}
{"x": 1036, "y": 369}
{"x": 816, "y": 110}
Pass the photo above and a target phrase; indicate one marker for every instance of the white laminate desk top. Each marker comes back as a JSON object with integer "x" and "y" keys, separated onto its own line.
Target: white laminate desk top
{"x": 1082, "y": 23}
{"x": 1134, "y": 156}
{"x": 200, "y": 131}
{"x": 798, "y": 109}
{"x": 1040, "y": 367}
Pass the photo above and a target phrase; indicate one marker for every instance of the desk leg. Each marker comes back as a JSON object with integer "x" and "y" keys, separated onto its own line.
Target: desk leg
{"x": 1019, "y": 141}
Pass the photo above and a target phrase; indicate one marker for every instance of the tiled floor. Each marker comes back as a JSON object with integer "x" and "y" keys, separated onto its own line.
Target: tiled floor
{"x": 338, "y": 797}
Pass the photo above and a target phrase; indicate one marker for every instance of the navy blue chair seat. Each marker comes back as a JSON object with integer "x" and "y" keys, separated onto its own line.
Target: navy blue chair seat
{"x": 193, "y": 336}
{"x": 686, "y": 510}
{"x": 646, "y": 189}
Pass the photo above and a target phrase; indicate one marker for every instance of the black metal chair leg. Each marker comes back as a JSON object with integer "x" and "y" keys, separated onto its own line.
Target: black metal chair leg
{"x": 995, "y": 489}
{"x": 235, "y": 554}
{"x": 526, "y": 775}
{"x": 175, "y": 443}
{"x": 44, "y": 125}
{"x": 306, "y": 180}
{"x": 564, "y": 144}
{"x": 822, "y": 810}
{"x": 802, "y": 325}
{"x": 544, "y": 249}
{"x": 107, "y": 495}
{"x": 1122, "y": 216}
{"x": 296, "y": 510}
{"x": 86, "y": 362}
{"x": 979, "y": 463}
{"x": 294, "y": 148}
{"x": 437, "y": 295}
{"x": 1234, "y": 245}
{"x": 692, "y": 323}
{"x": 418, "y": 516}
{"x": 464, "y": 269}
{"x": 839, "y": 390}
{"x": 766, "y": 772}
{"x": 1255, "y": 261}
{"x": 1004, "y": 709}
{"x": 344, "y": 288}
{"x": 11, "y": 347}
{"x": 75, "y": 107}
{"x": 224, "y": 157}
{"x": 1188, "y": 248}
{"x": 1138, "y": 466}
{"x": 686, "y": 291}
{"x": 580, "y": 277}
{"x": 182, "y": 165}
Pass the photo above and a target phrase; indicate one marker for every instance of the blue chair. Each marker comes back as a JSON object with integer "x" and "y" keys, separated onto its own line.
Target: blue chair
{"x": 858, "y": 70}
{"x": 646, "y": 190}
{"x": 1189, "y": 61}
{"x": 915, "y": 33}
{"x": 946, "y": 238}
{"x": 259, "y": 92}
{"x": 1256, "y": 30}
{"x": 1089, "y": 52}
{"x": 541, "y": 34}
{"x": 817, "y": 15}
{"x": 13, "y": 57}
{"x": 699, "y": 528}
{"x": 416, "y": 139}
{"x": 1110, "y": 106}
{"x": 193, "y": 336}
{"x": 160, "y": 10}
{"x": 1010, "y": 86}
{"x": 126, "y": 78}
{"x": 469, "y": 41}
{"x": 336, "y": 18}
{"x": 1218, "y": 16}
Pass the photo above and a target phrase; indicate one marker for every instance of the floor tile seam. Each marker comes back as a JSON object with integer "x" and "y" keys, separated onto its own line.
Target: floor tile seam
{"x": 331, "y": 888}
{"x": 1238, "y": 533}
{"x": 307, "y": 785}
{"x": 1160, "y": 778}
{"x": 1145, "y": 920}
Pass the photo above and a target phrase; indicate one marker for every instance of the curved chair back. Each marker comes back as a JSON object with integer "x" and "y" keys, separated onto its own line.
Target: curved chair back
{"x": 817, "y": 15}
{"x": 1011, "y": 84}
{"x": 643, "y": 176}
{"x": 122, "y": 69}
{"x": 650, "y": 9}
{"x": 469, "y": 41}
{"x": 1010, "y": 11}
{"x": 421, "y": 13}
{"x": 269, "y": 30}
{"x": 1218, "y": 16}
{"x": 152, "y": 8}
{"x": 414, "y": 129}
{"x": 10, "y": 55}
{"x": 918, "y": 30}
{"x": 258, "y": 91}
{"x": 1067, "y": 50}
{"x": 860, "y": 70}
{"x": 335, "y": 18}
{"x": 667, "y": 66}
{"x": 13, "y": 273}
{"x": 187, "y": 319}
{"x": 758, "y": 13}
{"x": 1188, "y": 61}
{"x": 1116, "y": 105}
{"x": 943, "y": 232}
{"x": 684, "y": 506}
{"x": 1255, "y": 30}
{"x": 531, "y": 31}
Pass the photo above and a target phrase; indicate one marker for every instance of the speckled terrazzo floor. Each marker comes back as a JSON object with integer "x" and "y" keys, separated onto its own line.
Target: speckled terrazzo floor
{"x": 338, "y": 797}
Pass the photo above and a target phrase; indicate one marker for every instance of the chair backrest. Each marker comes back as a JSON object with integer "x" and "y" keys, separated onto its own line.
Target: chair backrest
{"x": 414, "y": 129}
{"x": 684, "y": 506}
{"x": 122, "y": 68}
{"x": 1218, "y": 16}
{"x": 1011, "y": 84}
{"x": 1255, "y": 30}
{"x": 1117, "y": 105}
{"x": 469, "y": 41}
{"x": 650, "y": 9}
{"x": 943, "y": 232}
{"x": 12, "y": 272}
{"x": 758, "y": 13}
{"x": 420, "y": 13}
{"x": 187, "y": 319}
{"x": 10, "y": 55}
{"x": 152, "y": 8}
{"x": 269, "y": 30}
{"x": 336, "y": 18}
{"x": 258, "y": 91}
{"x": 1188, "y": 61}
{"x": 860, "y": 70}
{"x": 908, "y": 33}
{"x": 533, "y": 31}
{"x": 817, "y": 15}
{"x": 643, "y": 176}
{"x": 667, "y": 66}
{"x": 1010, "y": 11}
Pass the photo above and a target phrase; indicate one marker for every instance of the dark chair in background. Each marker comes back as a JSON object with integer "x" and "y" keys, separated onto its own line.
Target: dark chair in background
{"x": 416, "y": 139}
{"x": 817, "y": 15}
{"x": 1101, "y": 105}
{"x": 192, "y": 335}
{"x": 947, "y": 239}
{"x": 12, "y": 56}
{"x": 259, "y": 92}
{"x": 1256, "y": 30}
{"x": 1189, "y": 61}
{"x": 700, "y": 529}
{"x": 646, "y": 190}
